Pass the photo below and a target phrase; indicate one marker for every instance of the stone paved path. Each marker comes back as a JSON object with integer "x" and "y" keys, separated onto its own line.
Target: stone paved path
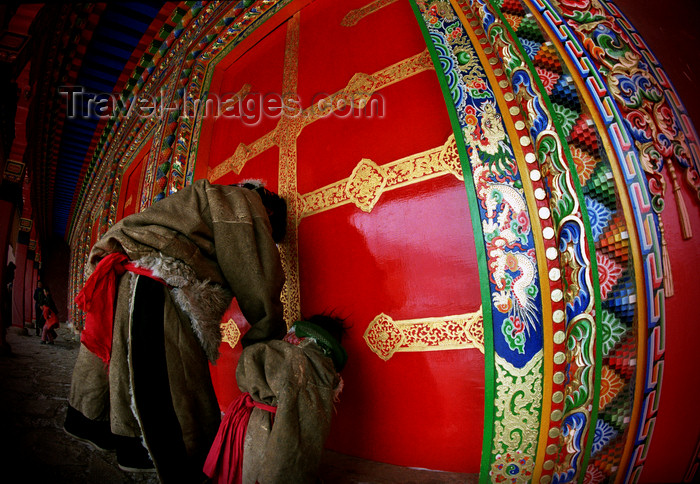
{"x": 34, "y": 384}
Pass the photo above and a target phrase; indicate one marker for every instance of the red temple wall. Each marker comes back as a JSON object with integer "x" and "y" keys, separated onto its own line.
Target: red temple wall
{"x": 411, "y": 257}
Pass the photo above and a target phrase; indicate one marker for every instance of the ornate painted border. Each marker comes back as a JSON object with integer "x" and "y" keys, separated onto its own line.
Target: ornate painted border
{"x": 578, "y": 264}
{"x": 478, "y": 115}
{"x": 647, "y": 227}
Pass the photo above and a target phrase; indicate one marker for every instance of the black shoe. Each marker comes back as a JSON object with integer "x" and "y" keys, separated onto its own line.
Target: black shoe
{"x": 94, "y": 432}
{"x": 132, "y": 456}
{"x": 42, "y": 342}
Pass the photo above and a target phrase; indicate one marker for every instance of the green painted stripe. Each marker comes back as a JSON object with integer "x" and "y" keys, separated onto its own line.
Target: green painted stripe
{"x": 489, "y": 360}
{"x": 589, "y": 237}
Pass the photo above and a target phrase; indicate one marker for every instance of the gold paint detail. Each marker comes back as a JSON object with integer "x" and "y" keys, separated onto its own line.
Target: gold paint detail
{"x": 559, "y": 358}
{"x": 14, "y": 170}
{"x": 358, "y": 90}
{"x": 554, "y": 432}
{"x": 385, "y": 336}
{"x": 25, "y": 224}
{"x": 289, "y": 248}
{"x": 368, "y": 180}
{"x": 558, "y": 397}
{"x": 517, "y": 405}
{"x": 240, "y": 157}
{"x": 366, "y": 184}
{"x": 559, "y": 378}
{"x": 237, "y": 98}
{"x": 288, "y": 130}
{"x": 556, "y": 415}
{"x": 354, "y": 16}
{"x": 230, "y": 333}
{"x": 546, "y": 479}
{"x": 552, "y": 448}
{"x": 285, "y": 135}
{"x": 404, "y": 69}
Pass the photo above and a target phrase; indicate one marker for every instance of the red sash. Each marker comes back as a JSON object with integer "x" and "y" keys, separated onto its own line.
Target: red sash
{"x": 97, "y": 299}
{"x": 224, "y": 463}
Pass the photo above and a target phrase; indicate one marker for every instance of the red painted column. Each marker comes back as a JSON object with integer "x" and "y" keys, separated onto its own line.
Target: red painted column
{"x": 37, "y": 276}
{"x": 19, "y": 284}
{"x": 23, "y": 276}
{"x": 30, "y": 278}
{"x": 6, "y": 213}
{"x": 35, "y": 279}
{"x": 28, "y": 290}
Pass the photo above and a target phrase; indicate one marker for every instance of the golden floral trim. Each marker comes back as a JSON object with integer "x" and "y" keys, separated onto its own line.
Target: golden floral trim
{"x": 230, "y": 333}
{"x": 285, "y": 136}
{"x": 518, "y": 402}
{"x": 354, "y": 16}
{"x": 386, "y": 336}
{"x": 289, "y": 248}
{"x": 358, "y": 91}
{"x": 368, "y": 180}
{"x": 128, "y": 202}
{"x": 25, "y": 224}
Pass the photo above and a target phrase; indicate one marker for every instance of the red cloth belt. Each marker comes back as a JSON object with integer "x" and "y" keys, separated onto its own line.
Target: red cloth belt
{"x": 224, "y": 464}
{"x": 97, "y": 299}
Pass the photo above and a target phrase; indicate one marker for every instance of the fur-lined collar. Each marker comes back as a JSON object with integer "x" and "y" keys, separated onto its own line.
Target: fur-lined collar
{"x": 203, "y": 301}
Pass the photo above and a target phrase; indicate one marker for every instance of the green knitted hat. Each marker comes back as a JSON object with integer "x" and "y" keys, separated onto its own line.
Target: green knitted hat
{"x": 329, "y": 345}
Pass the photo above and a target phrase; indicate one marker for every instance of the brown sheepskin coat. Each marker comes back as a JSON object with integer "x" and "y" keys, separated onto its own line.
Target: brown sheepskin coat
{"x": 209, "y": 243}
{"x": 302, "y": 383}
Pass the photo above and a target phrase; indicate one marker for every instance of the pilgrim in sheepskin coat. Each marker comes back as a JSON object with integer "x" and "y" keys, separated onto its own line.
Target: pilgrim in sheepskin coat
{"x": 302, "y": 383}
{"x": 208, "y": 243}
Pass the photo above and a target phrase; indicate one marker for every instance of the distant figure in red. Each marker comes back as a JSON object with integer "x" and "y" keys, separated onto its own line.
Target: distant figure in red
{"x": 48, "y": 334}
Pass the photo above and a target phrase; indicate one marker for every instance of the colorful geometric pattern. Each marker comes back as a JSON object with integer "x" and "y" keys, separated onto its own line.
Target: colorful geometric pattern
{"x": 571, "y": 218}
{"x": 649, "y": 242}
{"x": 497, "y": 189}
{"x": 604, "y": 215}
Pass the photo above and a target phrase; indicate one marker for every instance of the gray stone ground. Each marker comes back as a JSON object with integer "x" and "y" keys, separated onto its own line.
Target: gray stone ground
{"x": 34, "y": 385}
